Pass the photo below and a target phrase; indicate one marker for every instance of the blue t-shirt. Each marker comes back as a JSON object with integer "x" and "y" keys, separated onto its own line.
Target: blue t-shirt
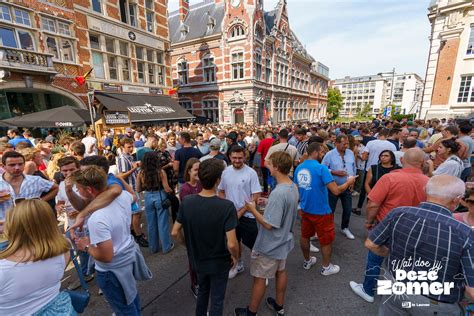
{"x": 15, "y": 141}
{"x": 138, "y": 143}
{"x": 111, "y": 180}
{"x": 312, "y": 179}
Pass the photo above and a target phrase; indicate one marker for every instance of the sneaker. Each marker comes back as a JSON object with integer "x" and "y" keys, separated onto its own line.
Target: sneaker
{"x": 272, "y": 304}
{"x": 348, "y": 233}
{"x": 308, "y": 264}
{"x": 358, "y": 289}
{"x": 332, "y": 269}
{"x": 239, "y": 268}
{"x": 194, "y": 290}
{"x": 169, "y": 249}
{"x": 100, "y": 292}
{"x": 141, "y": 241}
{"x": 241, "y": 311}
{"x": 313, "y": 248}
{"x": 315, "y": 237}
{"x": 355, "y": 193}
{"x": 77, "y": 284}
{"x": 357, "y": 211}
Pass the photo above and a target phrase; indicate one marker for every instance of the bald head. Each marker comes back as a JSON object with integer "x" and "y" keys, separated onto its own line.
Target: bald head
{"x": 413, "y": 158}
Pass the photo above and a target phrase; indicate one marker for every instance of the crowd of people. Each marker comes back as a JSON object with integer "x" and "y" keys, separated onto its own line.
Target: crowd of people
{"x": 217, "y": 189}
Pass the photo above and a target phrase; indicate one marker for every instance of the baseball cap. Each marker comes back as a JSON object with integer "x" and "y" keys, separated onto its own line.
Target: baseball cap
{"x": 232, "y": 135}
{"x": 215, "y": 144}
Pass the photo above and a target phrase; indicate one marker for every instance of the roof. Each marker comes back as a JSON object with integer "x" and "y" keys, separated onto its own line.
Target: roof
{"x": 270, "y": 18}
{"x": 196, "y": 21}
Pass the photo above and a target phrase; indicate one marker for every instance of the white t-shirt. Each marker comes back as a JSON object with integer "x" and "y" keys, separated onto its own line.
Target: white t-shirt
{"x": 62, "y": 196}
{"x": 113, "y": 222}
{"x": 26, "y": 287}
{"x": 88, "y": 142}
{"x": 239, "y": 185}
{"x": 374, "y": 148}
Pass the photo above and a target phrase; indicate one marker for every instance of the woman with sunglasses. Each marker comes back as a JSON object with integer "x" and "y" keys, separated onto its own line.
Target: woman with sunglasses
{"x": 468, "y": 202}
{"x": 32, "y": 265}
{"x": 387, "y": 163}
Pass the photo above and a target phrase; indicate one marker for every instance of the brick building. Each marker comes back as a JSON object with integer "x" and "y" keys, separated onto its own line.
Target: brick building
{"x": 45, "y": 44}
{"x": 449, "y": 84}
{"x": 235, "y": 62}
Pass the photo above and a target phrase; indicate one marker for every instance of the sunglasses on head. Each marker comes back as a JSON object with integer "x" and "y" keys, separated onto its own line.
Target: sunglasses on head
{"x": 19, "y": 200}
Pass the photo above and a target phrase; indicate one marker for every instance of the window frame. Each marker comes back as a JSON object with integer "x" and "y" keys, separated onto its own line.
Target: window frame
{"x": 22, "y": 13}
{"x": 2, "y": 13}
{"x": 183, "y": 72}
{"x": 466, "y": 91}
{"x": 97, "y": 4}
{"x": 209, "y": 69}
{"x": 238, "y": 64}
{"x": 237, "y": 31}
{"x": 470, "y": 43}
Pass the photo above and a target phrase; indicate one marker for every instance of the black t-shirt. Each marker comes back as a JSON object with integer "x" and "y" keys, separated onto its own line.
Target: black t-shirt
{"x": 183, "y": 155}
{"x": 206, "y": 220}
{"x": 395, "y": 143}
{"x": 366, "y": 139}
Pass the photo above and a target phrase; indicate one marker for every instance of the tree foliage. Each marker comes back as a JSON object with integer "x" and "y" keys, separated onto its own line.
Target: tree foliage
{"x": 334, "y": 103}
{"x": 364, "y": 111}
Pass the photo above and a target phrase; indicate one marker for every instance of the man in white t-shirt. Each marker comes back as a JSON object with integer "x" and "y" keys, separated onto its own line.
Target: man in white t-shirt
{"x": 371, "y": 155}
{"x": 118, "y": 260}
{"x": 284, "y": 146}
{"x": 91, "y": 144}
{"x": 239, "y": 184}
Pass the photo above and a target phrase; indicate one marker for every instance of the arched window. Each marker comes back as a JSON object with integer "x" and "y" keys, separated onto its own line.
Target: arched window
{"x": 259, "y": 32}
{"x": 237, "y": 31}
{"x": 183, "y": 72}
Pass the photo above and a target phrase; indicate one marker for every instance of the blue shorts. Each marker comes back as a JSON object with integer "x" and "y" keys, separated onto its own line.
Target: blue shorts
{"x": 137, "y": 207}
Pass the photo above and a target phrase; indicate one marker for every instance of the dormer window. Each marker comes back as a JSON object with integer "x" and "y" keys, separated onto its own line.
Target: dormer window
{"x": 211, "y": 24}
{"x": 184, "y": 31}
{"x": 237, "y": 31}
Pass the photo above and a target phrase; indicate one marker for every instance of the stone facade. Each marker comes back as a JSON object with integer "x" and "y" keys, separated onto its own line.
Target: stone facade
{"x": 235, "y": 62}
{"x": 449, "y": 85}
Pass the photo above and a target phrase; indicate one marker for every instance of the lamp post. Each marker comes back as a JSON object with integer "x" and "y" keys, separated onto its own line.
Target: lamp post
{"x": 393, "y": 81}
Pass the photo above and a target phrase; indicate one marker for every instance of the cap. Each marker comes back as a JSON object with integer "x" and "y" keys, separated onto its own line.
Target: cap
{"x": 215, "y": 144}
{"x": 232, "y": 135}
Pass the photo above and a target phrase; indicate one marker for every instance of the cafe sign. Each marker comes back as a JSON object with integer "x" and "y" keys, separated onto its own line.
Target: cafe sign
{"x": 116, "y": 118}
{"x": 147, "y": 108}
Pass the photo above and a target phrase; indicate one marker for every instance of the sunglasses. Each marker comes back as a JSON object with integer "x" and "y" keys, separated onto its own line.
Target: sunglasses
{"x": 19, "y": 200}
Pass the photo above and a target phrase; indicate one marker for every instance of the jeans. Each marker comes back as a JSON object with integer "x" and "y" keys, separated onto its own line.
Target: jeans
{"x": 215, "y": 285}
{"x": 83, "y": 257}
{"x": 115, "y": 295}
{"x": 265, "y": 174}
{"x": 362, "y": 195}
{"x": 158, "y": 224}
{"x": 346, "y": 200}
{"x": 372, "y": 272}
{"x": 466, "y": 173}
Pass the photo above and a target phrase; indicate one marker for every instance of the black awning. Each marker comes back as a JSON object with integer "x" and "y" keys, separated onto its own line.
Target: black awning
{"x": 144, "y": 107}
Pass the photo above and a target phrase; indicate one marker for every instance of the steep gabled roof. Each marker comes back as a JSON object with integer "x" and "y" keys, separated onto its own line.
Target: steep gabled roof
{"x": 270, "y": 18}
{"x": 196, "y": 21}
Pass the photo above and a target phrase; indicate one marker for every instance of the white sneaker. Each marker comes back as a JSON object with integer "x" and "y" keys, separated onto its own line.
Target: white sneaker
{"x": 358, "y": 289}
{"x": 348, "y": 233}
{"x": 313, "y": 238}
{"x": 239, "y": 268}
{"x": 313, "y": 248}
{"x": 355, "y": 193}
{"x": 331, "y": 269}
{"x": 308, "y": 264}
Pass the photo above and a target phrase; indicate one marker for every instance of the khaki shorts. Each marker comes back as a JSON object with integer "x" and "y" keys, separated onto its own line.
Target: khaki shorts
{"x": 264, "y": 267}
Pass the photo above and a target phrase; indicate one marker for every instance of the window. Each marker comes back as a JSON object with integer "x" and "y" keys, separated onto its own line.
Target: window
{"x": 210, "y": 109}
{"x": 161, "y": 75}
{"x": 63, "y": 29}
{"x": 52, "y": 46}
{"x": 132, "y": 13}
{"x": 96, "y": 6}
{"x": 109, "y": 45}
{"x": 209, "y": 69}
{"x": 470, "y": 45}
{"x": 26, "y": 40}
{"x": 98, "y": 63}
{"x": 149, "y": 55}
{"x": 258, "y": 65}
{"x": 123, "y": 48}
{"x": 466, "y": 90}
{"x": 22, "y": 17}
{"x": 94, "y": 40}
{"x": 258, "y": 32}
{"x": 140, "y": 71}
{"x": 183, "y": 72}
{"x": 125, "y": 69}
{"x": 187, "y": 105}
{"x": 128, "y": 12}
{"x": 67, "y": 51}
{"x": 237, "y": 31}
{"x": 268, "y": 69}
{"x": 112, "y": 63}
{"x": 7, "y": 38}
{"x": 5, "y": 13}
{"x": 139, "y": 52}
{"x": 150, "y": 16}
{"x": 151, "y": 74}
{"x": 48, "y": 24}
{"x": 238, "y": 65}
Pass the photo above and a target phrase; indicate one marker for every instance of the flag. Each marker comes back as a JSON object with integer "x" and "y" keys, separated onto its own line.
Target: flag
{"x": 173, "y": 91}
{"x": 81, "y": 80}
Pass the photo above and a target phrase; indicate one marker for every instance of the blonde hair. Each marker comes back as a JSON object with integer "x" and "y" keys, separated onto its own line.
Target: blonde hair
{"x": 53, "y": 167}
{"x": 31, "y": 225}
{"x": 29, "y": 153}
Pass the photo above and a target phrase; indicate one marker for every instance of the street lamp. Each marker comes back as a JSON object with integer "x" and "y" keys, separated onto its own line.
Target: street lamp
{"x": 393, "y": 80}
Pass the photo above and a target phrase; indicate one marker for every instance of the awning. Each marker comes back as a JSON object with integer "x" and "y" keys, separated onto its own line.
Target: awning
{"x": 143, "y": 107}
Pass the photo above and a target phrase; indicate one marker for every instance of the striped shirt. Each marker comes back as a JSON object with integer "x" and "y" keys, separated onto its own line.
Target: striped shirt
{"x": 31, "y": 187}
{"x": 429, "y": 233}
{"x": 125, "y": 164}
{"x": 302, "y": 146}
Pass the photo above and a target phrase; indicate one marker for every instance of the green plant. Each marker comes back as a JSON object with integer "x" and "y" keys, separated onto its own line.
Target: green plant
{"x": 334, "y": 103}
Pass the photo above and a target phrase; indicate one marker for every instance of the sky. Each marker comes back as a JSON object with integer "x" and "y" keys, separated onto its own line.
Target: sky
{"x": 360, "y": 37}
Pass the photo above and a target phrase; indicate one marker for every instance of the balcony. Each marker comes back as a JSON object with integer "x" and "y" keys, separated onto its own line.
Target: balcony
{"x": 26, "y": 61}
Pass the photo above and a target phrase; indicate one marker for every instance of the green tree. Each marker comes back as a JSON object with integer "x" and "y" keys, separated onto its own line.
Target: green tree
{"x": 334, "y": 103}
{"x": 365, "y": 111}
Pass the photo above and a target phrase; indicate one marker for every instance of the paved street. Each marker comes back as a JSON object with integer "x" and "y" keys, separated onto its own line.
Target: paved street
{"x": 308, "y": 293}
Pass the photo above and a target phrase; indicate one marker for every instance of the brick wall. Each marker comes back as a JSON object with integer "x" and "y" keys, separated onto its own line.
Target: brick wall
{"x": 445, "y": 71}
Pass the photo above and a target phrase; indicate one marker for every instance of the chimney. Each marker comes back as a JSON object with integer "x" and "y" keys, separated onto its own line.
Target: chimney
{"x": 183, "y": 9}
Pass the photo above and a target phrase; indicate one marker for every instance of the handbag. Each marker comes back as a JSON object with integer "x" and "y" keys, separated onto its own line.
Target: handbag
{"x": 166, "y": 203}
{"x": 80, "y": 298}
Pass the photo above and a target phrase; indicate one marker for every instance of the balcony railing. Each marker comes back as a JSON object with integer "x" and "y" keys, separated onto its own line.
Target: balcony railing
{"x": 26, "y": 61}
